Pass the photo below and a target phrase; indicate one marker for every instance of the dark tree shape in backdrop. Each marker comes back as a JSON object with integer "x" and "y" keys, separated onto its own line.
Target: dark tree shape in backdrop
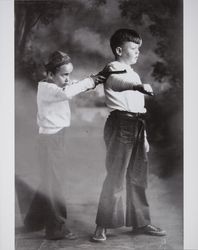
{"x": 30, "y": 13}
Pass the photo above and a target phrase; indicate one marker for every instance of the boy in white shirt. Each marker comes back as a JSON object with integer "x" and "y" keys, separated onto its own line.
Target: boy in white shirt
{"x": 126, "y": 142}
{"x": 48, "y": 209}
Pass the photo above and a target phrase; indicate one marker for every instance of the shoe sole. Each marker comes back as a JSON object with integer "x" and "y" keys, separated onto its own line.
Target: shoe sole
{"x": 98, "y": 240}
{"x": 149, "y": 233}
{"x": 155, "y": 234}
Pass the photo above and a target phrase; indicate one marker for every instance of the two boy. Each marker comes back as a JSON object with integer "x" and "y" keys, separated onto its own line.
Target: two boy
{"x": 124, "y": 135}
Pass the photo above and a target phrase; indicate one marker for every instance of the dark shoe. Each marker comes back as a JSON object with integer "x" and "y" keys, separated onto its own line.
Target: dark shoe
{"x": 150, "y": 230}
{"x": 99, "y": 235}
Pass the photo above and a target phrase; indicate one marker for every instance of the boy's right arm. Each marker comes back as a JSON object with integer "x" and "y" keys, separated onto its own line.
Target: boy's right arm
{"x": 144, "y": 88}
{"x": 53, "y": 93}
{"x": 83, "y": 85}
{"x": 120, "y": 81}
{"x": 74, "y": 89}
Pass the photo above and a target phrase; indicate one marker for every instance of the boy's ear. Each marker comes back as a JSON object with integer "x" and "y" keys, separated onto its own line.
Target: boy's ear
{"x": 50, "y": 75}
{"x": 119, "y": 51}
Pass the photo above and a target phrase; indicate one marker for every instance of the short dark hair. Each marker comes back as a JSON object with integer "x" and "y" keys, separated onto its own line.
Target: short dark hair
{"x": 124, "y": 35}
{"x": 57, "y": 59}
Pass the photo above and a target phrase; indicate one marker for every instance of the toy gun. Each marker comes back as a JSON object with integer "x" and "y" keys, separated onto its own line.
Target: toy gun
{"x": 106, "y": 73}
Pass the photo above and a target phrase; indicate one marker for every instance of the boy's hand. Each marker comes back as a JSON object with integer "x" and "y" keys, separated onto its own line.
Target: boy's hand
{"x": 144, "y": 88}
{"x": 106, "y": 71}
{"x": 98, "y": 79}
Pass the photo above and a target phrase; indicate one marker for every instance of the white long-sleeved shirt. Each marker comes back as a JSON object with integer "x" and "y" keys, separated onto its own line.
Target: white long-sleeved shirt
{"x": 118, "y": 90}
{"x": 53, "y": 104}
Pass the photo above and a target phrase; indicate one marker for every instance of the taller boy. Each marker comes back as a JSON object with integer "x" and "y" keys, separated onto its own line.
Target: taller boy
{"x": 126, "y": 142}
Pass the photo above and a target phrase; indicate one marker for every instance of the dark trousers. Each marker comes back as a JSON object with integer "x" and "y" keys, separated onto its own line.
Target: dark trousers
{"x": 48, "y": 209}
{"x": 126, "y": 159}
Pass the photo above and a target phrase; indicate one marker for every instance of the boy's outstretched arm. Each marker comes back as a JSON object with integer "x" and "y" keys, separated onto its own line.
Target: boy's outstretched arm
{"x": 119, "y": 81}
{"x": 83, "y": 85}
{"x": 144, "y": 88}
{"x": 57, "y": 94}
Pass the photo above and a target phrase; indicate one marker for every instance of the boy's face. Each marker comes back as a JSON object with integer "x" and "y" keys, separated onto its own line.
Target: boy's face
{"x": 128, "y": 53}
{"x": 61, "y": 78}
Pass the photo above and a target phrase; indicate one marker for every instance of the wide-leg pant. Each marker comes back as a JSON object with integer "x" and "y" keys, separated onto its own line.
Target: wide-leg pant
{"x": 48, "y": 208}
{"x": 126, "y": 158}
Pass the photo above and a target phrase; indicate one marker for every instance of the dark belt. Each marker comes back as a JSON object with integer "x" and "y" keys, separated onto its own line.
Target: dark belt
{"x": 128, "y": 114}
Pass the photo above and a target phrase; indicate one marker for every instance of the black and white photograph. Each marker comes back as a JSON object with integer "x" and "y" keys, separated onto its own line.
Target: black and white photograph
{"x": 99, "y": 124}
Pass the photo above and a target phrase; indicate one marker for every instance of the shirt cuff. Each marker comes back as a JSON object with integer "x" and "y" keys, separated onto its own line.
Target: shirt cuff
{"x": 91, "y": 82}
